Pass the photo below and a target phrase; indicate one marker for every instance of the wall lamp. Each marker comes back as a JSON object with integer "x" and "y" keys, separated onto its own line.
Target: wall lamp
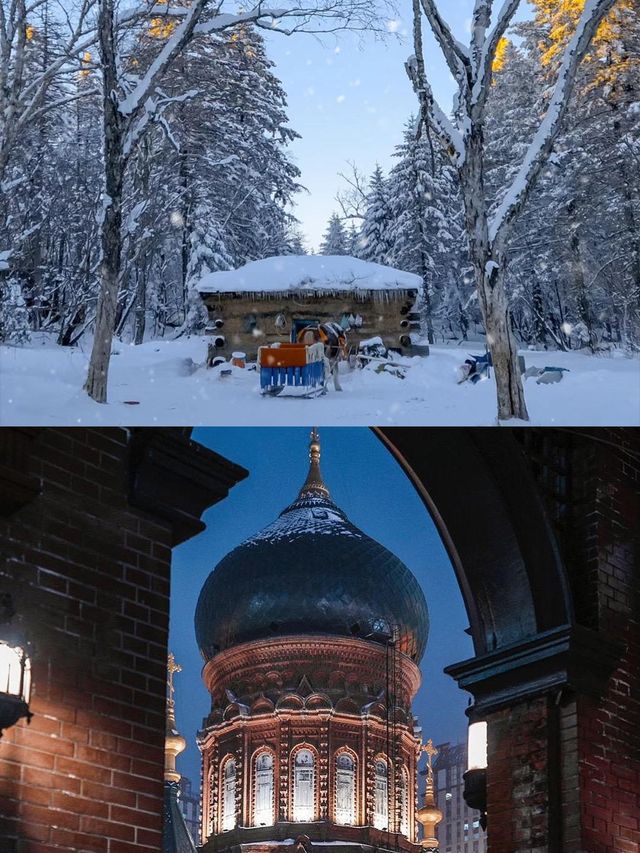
{"x": 15, "y": 669}
{"x": 475, "y": 778}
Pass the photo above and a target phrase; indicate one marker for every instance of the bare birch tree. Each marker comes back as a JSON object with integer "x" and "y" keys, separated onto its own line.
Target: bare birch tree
{"x": 22, "y": 95}
{"x": 463, "y": 138}
{"x": 127, "y": 115}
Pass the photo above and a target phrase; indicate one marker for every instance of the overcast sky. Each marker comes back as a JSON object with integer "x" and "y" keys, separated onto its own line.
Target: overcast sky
{"x": 368, "y": 484}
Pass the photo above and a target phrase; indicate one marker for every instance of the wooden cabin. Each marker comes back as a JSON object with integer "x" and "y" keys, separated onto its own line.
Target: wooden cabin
{"x": 273, "y": 299}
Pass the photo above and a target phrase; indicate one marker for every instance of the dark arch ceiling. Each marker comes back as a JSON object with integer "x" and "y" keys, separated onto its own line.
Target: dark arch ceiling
{"x": 479, "y": 489}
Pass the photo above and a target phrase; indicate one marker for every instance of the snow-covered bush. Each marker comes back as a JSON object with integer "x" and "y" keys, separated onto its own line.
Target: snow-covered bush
{"x": 14, "y": 317}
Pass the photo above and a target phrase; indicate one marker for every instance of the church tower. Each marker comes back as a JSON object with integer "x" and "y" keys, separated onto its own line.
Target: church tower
{"x": 311, "y": 632}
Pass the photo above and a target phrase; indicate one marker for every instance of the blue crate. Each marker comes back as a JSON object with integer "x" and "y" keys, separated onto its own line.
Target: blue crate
{"x": 309, "y": 376}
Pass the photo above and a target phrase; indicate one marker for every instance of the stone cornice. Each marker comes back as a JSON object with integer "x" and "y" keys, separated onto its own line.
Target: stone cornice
{"x": 571, "y": 656}
{"x": 266, "y": 838}
{"x": 176, "y": 478}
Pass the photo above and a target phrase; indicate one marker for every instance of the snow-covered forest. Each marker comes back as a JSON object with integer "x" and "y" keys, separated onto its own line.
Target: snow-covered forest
{"x": 573, "y": 272}
{"x": 144, "y": 145}
{"x": 207, "y": 186}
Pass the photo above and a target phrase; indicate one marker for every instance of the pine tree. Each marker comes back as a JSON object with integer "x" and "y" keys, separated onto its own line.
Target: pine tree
{"x": 376, "y": 243}
{"x": 334, "y": 241}
{"x": 424, "y": 233}
{"x": 354, "y": 241}
{"x": 207, "y": 253}
{"x": 296, "y": 242}
{"x": 512, "y": 116}
{"x": 224, "y": 151}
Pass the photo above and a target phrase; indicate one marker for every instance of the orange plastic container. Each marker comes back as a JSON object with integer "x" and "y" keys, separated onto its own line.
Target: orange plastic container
{"x": 286, "y": 355}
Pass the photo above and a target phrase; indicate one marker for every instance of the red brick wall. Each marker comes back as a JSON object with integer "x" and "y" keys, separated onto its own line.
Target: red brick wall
{"x": 609, "y": 730}
{"x": 92, "y": 586}
{"x": 517, "y": 777}
{"x": 564, "y": 770}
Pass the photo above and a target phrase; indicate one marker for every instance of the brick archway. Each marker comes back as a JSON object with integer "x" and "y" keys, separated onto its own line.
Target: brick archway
{"x": 541, "y": 527}
{"x": 488, "y": 510}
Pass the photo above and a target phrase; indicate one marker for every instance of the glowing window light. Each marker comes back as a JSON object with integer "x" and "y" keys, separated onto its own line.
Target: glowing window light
{"x": 15, "y": 672}
{"x": 345, "y": 789}
{"x": 229, "y": 796}
{"x": 304, "y": 786}
{"x": 263, "y": 809}
{"x": 381, "y": 796}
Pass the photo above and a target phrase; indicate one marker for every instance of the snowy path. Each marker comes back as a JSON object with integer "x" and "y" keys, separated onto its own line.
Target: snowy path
{"x": 40, "y": 385}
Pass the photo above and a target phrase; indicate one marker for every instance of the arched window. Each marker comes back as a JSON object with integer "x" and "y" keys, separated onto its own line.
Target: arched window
{"x": 345, "y": 788}
{"x": 381, "y": 798}
{"x": 304, "y": 785}
{"x": 404, "y": 802}
{"x": 229, "y": 795}
{"x": 263, "y": 790}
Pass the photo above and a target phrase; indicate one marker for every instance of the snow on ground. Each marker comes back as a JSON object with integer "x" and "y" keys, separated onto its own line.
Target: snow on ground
{"x": 308, "y": 272}
{"x": 40, "y": 384}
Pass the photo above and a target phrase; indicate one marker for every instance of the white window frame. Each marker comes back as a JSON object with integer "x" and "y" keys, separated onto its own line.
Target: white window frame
{"x": 345, "y": 778}
{"x": 229, "y": 787}
{"x": 304, "y": 774}
{"x": 381, "y": 794}
{"x": 404, "y": 801}
{"x": 263, "y": 779}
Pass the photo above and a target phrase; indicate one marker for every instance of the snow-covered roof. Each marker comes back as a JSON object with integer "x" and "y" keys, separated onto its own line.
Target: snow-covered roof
{"x": 311, "y": 273}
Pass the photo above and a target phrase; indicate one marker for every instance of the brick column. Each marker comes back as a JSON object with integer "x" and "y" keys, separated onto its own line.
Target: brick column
{"x": 86, "y": 556}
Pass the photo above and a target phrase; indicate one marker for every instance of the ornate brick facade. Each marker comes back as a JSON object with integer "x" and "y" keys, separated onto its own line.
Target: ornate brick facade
{"x": 325, "y": 694}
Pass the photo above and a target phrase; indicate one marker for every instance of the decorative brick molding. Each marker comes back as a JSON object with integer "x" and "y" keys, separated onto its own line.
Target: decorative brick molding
{"x": 333, "y": 667}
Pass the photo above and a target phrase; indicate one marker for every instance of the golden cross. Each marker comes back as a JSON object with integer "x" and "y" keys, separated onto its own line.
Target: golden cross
{"x": 172, "y": 667}
{"x": 431, "y": 753}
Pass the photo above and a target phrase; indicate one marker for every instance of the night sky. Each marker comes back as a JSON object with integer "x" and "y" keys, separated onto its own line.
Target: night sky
{"x": 369, "y": 485}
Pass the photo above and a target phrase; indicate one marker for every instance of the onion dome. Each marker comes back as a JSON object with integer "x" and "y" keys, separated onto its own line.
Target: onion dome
{"x": 311, "y": 571}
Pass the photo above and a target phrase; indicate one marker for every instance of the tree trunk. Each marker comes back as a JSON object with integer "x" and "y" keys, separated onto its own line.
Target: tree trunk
{"x": 580, "y": 286}
{"x": 538, "y": 312}
{"x": 428, "y": 311}
{"x": 502, "y": 345}
{"x": 110, "y": 231}
{"x": 141, "y": 306}
{"x": 490, "y": 284}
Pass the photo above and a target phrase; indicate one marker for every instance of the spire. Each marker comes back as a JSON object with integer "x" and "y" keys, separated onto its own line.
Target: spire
{"x": 314, "y": 484}
{"x": 175, "y": 835}
{"x": 174, "y": 743}
{"x": 429, "y": 814}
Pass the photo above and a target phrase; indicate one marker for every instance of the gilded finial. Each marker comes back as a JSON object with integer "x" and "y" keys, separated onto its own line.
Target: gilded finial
{"x": 174, "y": 742}
{"x": 314, "y": 484}
{"x": 172, "y": 668}
{"x": 430, "y": 751}
{"x": 429, "y": 814}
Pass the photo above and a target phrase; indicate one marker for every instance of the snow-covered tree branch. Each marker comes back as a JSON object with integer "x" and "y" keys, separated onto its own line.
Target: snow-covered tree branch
{"x": 472, "y": 71}
{"x": 21, "y": 94}
{"x": 542, "y": 145}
